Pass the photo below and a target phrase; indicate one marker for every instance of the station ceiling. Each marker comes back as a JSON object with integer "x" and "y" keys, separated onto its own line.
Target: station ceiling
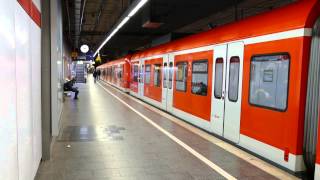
{"x": 88, "y": 21}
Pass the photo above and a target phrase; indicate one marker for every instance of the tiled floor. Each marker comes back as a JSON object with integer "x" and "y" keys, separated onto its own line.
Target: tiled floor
{"x": 101, "y": 138}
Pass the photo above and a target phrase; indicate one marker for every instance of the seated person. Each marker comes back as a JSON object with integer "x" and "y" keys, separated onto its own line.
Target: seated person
{"x": 68, "y": 86}
{"x": 202, "y": 90}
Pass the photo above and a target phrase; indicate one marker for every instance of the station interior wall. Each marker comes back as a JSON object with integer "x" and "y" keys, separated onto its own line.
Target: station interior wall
{"x": 20, "y": 92}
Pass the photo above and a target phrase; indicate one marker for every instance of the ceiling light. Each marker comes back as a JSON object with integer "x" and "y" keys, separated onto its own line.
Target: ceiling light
{"x": 136, "y": 9}
{"x": 122, "y": 23}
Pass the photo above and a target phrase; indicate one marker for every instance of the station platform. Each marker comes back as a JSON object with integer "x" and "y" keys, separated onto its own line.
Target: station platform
{"x": 107, "y": 134}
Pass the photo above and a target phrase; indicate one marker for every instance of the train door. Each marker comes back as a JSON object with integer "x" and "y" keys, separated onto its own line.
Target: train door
{"x": 170, "y": 71}
{"x": 165, "y": 80}
{"x": 227, "y": 82}
{"x": 218, "y": 95}
{"x": 141, "y": 79}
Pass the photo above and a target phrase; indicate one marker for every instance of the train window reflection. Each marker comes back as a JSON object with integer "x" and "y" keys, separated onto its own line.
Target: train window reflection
{"x": 170, "y": 75}
{"x": 120, "y": 71}
{"x": 234, "y": 78}
{"x": 165, "y": 70}
{"x": 147, "y": 73}
{"x": 135, "y": 73}
{"x": 113, "y": 71}
{"x": 141, "y": 74}
{"x": 181, "y": 76}
{"x": 157, "y": 75}
{"x": 218, "y": 78}
{"x": 269, "y": 81}
{"x": 200, "y": 77}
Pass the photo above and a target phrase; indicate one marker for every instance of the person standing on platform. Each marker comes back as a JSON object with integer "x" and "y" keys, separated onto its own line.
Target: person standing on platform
{"x": 98, "y": 74}
{"x": 95, "y": 76}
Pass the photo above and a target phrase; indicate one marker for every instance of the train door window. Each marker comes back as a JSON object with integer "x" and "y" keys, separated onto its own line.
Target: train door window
{"x": 157, "y": 75}
{"x": 165, "y": 70}
{"x": 181, "y": 76}
{"x": 218, "y": 78}
{"x": 234, "y": 68}
{"x": 170, "y": 74}
{"x": 147, "y": 73}
{"x": 113, "y": 71}
{"x": 269, "y": 80}
{"x": 200, "y": 77}
{"x": 120, "y": 71}
{"x": 141, "y": 74}
{"x": 135, "y": 73}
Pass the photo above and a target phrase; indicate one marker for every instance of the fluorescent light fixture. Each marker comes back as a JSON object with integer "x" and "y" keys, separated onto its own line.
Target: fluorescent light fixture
{"x": 122, "y": 23}
{"x": 136, "y": 9}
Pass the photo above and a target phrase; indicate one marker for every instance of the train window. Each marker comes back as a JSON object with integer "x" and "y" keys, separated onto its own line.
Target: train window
{"x": 135, "y": 72}
{"x": 234, "y": 78}
{"x": 141, "y": 74}
{"x": 157, "y": 75}
{"x": 165, "y": 69}
{"x": 147, "y": 73}
{"x": 200, "y": 77}
{"x": 170, "y": 74}
{"x": 120, "y": 71}
{"x": 113, "y": 71}
{"x": 269, "y": 79}
{"x": 181, "y": 76}
{"x": 218, "y": 78}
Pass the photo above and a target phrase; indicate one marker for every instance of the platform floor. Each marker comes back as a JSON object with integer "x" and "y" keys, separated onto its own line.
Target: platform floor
{"x": 115, "y": 136}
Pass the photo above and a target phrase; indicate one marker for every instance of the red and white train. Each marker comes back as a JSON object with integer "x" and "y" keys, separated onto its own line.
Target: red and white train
{"x": 248, "y": 82}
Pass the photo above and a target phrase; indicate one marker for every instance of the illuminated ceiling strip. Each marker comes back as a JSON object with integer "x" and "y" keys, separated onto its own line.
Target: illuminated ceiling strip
{"x": 122, "y": 23}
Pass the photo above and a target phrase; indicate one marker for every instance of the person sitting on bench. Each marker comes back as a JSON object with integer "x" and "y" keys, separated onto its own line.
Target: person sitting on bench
{"x": 68, "y": 86}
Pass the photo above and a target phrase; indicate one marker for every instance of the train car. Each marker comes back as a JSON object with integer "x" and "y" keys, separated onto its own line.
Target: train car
{"x": 248, "y": 82}
{"x": 117, "y": 73}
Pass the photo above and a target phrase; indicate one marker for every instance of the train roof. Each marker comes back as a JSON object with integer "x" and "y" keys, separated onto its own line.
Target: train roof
{"x": 301, "y": 14}
{"x": 117, "y": 61}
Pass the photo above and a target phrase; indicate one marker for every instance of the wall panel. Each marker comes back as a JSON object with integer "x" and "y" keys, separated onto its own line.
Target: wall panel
{"x": 20, "y": 96}
{"x": 35, "y": 46}
{"x": 8, "y": 107}
{"x": 23, "y": 80}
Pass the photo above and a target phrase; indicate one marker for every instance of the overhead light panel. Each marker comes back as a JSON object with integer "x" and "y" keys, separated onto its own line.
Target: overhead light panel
{"x": 138, "y": 6}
